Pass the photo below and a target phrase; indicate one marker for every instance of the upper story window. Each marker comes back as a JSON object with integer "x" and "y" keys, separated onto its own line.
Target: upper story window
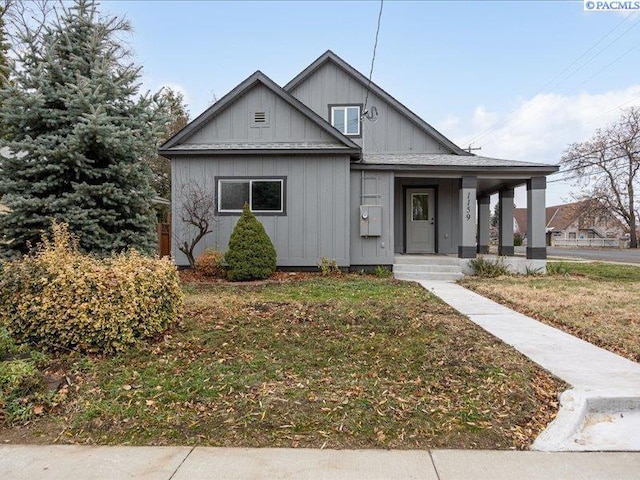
{"x": 346, "y": 118}
{"x": 264, "y": 195}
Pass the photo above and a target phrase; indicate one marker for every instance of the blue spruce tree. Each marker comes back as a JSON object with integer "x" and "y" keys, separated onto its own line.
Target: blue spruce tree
{"x": 77, "y": 132}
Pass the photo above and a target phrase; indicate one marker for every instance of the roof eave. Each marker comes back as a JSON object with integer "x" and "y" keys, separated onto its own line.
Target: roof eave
{"x": 354, "y": 153}
{"x": 543, "y": 170}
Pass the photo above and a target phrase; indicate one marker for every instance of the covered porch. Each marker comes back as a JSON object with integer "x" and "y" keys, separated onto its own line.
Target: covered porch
{"x": 452, "y": 214}
{"x": 440, "y": 204}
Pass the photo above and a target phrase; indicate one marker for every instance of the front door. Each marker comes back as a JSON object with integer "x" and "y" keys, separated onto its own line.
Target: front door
{"x": 420, "y": 220}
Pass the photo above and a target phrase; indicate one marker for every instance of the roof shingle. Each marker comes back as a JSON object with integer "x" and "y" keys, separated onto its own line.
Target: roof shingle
{"x": 443, "y": 159}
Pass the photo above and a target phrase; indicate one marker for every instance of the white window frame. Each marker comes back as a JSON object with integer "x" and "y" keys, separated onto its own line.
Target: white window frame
{"x": 345, "y": 108}
{"x": 250, "y": 182}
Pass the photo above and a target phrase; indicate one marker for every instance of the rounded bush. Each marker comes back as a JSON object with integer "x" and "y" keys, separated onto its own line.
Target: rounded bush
{"x": 251, "y": 255}
{"x": 60, "y": 299}
{"x": 211, "y": 264}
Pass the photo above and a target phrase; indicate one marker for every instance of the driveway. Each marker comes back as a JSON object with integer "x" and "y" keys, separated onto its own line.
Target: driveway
{"x": 601, "y": 254}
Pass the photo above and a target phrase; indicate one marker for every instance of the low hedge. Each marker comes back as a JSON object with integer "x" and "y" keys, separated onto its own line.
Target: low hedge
{"x": 59, "y": 299}
{"x": 211, "y": 264}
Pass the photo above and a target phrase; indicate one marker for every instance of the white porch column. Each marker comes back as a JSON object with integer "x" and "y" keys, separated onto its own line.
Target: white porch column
{"x": 505, "y": 223}
{"x": 536, "y": 218}
{"x": 467, "y": 246}
{"x": 484, "y": 223}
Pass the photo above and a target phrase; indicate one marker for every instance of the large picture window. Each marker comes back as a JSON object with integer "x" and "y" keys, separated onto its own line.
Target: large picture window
{"x": 346, "y": 118}
{"x": 264, "y": 195}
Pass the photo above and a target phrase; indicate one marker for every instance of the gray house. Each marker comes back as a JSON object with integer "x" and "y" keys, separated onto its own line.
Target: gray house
{"x": 333, "y": 171}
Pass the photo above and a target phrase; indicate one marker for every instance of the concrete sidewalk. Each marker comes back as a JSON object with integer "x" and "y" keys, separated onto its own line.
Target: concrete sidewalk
{"x": 601, "y": 412}
{"x": 63, "y": 462}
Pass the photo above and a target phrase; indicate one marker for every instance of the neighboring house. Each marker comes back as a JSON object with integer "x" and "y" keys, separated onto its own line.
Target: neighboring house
{"x": 329, "y": 176}
{"x": 573, "y": 222}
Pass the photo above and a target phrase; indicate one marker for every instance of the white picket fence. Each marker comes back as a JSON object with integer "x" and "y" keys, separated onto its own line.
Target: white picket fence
{"x": 591, "y": 242}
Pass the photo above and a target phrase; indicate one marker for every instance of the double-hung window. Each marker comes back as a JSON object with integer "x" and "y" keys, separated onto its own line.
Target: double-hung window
{"x": 346, "y": 118}
{"x": 264, "y": 195}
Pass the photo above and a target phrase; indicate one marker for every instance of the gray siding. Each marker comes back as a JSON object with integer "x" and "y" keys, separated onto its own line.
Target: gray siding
{"x": 448, "y": 216}
{"x": 392, "y": 132}
{"x": 448, "y": 219}
{"x": 372, "y": 250}
{"x": 317, "y": 220}
{"x": 234, "y": 123}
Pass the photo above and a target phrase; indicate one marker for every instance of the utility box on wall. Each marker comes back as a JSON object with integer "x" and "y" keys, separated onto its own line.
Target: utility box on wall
{"x": 370, "y": 220}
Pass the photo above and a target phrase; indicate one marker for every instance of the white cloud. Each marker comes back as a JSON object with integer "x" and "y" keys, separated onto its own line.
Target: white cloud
{"x": 543, "y": 127}
{"x": 483, "y": 119}
{"x": 449, "y": 123}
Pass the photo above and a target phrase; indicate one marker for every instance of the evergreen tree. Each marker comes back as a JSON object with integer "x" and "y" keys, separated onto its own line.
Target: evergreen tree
{"x": 78, "y": 133}
{"x": 251, "y": 255}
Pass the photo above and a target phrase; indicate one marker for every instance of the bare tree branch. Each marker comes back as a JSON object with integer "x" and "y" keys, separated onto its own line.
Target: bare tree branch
{"x": 608, "y": 166}
{"x": 197, "y": 215}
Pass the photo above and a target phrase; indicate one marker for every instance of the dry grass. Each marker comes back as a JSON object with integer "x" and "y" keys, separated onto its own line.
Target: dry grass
{"x": 599, "y": 303}
{"x": 347, "y": 362}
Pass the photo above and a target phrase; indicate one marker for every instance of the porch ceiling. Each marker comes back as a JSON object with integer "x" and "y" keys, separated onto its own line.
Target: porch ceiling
{"x": 488, "y": 186}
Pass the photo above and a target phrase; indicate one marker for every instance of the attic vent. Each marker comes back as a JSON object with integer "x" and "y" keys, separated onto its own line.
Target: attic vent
{"x": 259, "y": 118}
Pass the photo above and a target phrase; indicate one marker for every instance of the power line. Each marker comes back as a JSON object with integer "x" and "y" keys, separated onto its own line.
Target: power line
{"x": 614, "y": 61}
{"x": 574, "y": 169}
{"x": 373, "y": 59}
{"x": 520, "y": 109}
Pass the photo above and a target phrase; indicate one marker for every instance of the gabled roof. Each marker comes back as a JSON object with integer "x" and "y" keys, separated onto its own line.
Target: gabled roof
{"x": 329, "y": 56}
{"x": 561, "y": 217}
{"x": 172, "y": 145}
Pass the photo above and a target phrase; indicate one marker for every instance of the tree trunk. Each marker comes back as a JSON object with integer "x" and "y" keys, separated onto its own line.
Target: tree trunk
{"x": 633, "y": 234}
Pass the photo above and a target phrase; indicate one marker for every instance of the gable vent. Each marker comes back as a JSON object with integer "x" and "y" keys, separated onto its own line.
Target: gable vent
{"x": 259, "y": 118}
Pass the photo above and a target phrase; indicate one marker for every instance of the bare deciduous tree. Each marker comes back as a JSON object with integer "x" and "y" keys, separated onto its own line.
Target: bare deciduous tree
{"x": 606, "y": 168}
{"x": 197, "y": 214}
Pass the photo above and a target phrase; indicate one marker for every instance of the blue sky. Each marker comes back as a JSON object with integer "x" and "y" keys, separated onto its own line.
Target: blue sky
{"x": 503, "y": 69}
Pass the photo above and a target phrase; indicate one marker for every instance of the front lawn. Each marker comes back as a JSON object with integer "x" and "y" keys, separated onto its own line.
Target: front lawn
{"x": 597, "y": 302}
{"x": 341, "y": 362}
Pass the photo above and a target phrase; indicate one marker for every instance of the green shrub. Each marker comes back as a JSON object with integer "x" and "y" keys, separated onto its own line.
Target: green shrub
{"x": 211, "y": 264}
{"x": 61, "y": 299}
{"x": 21, "y": 388}
{"x": 533, "y": 271}
{"x": 328, "y": 266}
{"x": 7, "y": 345}
{"x": 488, "y": 268}
{"x": 557, "y": 268}
{"x": 251, "y": 255}
{"x": 517, "y": 239}
{"x": 382, "y": 271}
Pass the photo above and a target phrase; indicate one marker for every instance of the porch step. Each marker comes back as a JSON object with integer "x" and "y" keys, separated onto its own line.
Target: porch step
{"x": 427, "y": 267}
{"x": 424, "y": 268}
{"x": 438, "y": 276}
{"x": 425, "y": 260}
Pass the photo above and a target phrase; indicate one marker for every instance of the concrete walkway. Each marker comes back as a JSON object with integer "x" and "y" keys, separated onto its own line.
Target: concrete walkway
{"x": 63, "y": 462}
{"x": 601, "y": 412}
